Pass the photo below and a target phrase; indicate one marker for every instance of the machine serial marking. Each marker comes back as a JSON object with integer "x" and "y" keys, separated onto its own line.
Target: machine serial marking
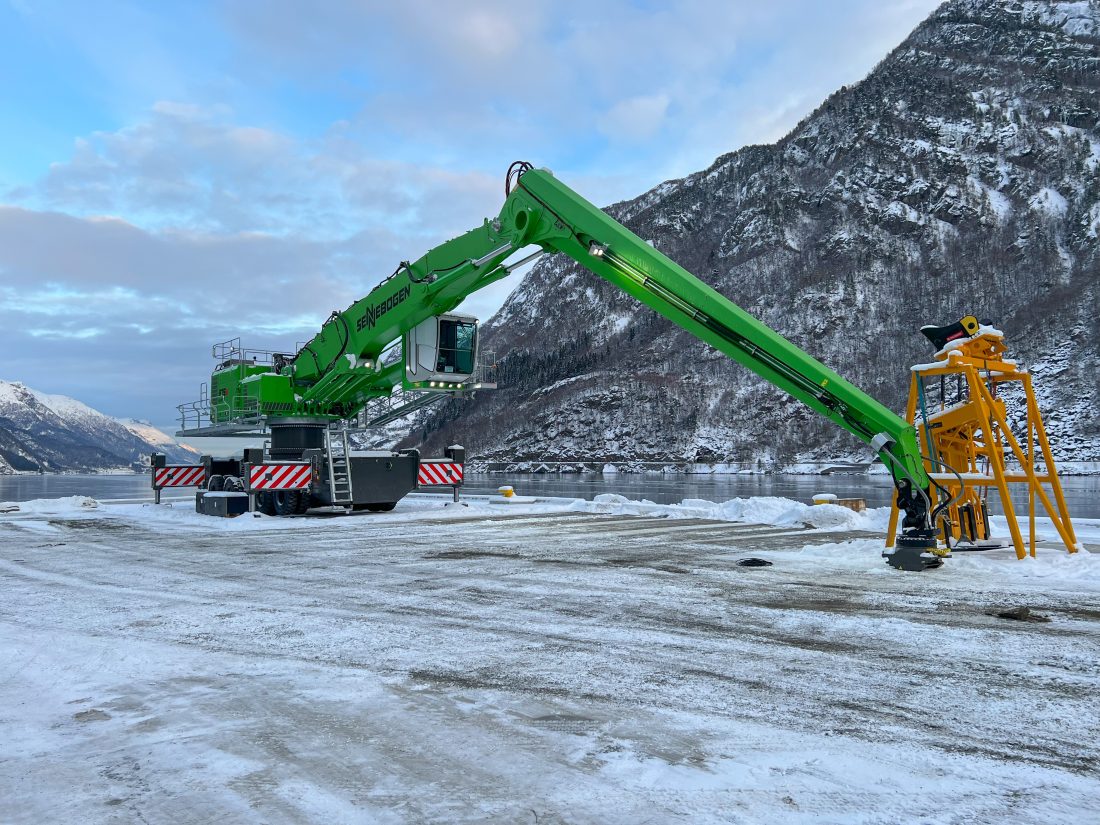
{"x": 373, "y": 313}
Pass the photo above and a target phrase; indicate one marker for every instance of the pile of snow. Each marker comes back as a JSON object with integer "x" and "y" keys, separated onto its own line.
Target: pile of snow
{"x": 766, "y": 510}
{"x": 180, "y": 516}
{"x": 51, "y": 506}
{"x": 1057, "y": 568}
{"x": 1054, "y": 565}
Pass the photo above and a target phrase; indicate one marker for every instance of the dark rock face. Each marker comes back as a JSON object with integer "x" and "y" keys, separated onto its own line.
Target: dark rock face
{"x": 52, "y": 433}
{"x": 961, "y": 176}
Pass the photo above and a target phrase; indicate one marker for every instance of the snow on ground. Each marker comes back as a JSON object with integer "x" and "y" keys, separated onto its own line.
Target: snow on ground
{"x": 769, "y": 510}
{"x": 546, "y": 661}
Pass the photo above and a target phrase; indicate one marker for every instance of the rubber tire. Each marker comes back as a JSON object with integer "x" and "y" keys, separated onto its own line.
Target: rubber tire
{"x": 233, "y": 484}
{"x": 286, "y": 502}
{"x": 305, "y": 501}
{"x": 382, "y": 508}
{"x": 265, "y": 503}
{"x": 216, "y": 484}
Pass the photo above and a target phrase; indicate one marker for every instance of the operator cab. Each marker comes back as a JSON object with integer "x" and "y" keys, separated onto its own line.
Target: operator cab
{"x": 441, "y": 350}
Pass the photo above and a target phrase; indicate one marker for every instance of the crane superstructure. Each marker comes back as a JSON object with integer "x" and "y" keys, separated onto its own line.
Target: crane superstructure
{"x": 345, "y": 365}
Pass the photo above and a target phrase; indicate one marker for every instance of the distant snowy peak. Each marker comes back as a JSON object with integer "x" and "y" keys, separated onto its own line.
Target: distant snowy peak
{"x": 152, "y": 435}
{"x": 14, "y": 392}
{"x": 66, "y": 407}
{"x": 55, "y": 433}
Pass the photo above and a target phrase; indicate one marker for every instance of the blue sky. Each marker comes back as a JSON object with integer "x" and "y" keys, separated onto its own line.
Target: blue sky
{"x": 175, "y": 174}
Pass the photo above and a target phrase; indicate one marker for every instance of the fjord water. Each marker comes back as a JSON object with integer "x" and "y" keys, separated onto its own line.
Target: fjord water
{"x": 1082, "y": 492}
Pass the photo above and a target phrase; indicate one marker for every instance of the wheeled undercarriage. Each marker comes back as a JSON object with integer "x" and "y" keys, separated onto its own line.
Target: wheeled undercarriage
{"x": 308, "y": 465}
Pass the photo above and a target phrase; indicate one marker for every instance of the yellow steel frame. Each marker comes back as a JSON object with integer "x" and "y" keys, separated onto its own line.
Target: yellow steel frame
{"x": 973, "y": 437}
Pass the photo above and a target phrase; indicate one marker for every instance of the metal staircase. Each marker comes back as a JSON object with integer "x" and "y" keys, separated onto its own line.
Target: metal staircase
{"x": 339, "y": 467}
{"x": 401, "y": 403}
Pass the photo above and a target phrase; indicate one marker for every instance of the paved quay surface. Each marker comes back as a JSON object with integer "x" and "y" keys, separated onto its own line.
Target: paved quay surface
{"x": 550, "y": 667}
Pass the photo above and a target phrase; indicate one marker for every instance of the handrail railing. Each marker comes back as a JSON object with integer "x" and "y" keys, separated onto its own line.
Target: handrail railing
{"x": 232, "y": 351}
{"x": 205, "y": 411}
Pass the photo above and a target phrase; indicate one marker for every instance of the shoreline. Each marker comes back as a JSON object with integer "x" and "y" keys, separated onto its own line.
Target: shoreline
{"x": 635, "y": 467}
{"x": 689, "y": 468}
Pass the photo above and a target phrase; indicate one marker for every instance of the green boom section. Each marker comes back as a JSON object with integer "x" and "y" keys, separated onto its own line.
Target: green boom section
{"x": 603, "y": 245}
{"x": 339, "y": 369}
{"x": 342, "y": 367}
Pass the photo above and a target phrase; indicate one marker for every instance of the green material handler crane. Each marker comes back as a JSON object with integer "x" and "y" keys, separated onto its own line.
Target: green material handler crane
{"x": 334, "y": 375}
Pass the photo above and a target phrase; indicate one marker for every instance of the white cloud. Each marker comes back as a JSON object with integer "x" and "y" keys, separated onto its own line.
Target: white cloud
{"x": 194, "y": 221}
{"x": 183, "y": 167}
{"x": 74, "y": 290}
{"x": 635, "y": 119}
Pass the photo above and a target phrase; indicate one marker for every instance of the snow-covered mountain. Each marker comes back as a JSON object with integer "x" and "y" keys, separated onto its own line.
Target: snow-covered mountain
{"x": 961, "y": 176}
{"x": 55, "y": 433}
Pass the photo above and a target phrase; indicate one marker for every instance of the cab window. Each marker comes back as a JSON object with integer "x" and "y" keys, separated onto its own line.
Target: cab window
{"x": 457, "y": 342}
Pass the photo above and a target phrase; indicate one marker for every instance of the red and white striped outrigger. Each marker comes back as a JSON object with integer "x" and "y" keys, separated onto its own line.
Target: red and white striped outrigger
{"x": 179, "y": 475}
{"x": 175, "y": 475}
{"x": 439, "y": 473}
{"x": 443, "y": 472}
{"x": 284, "y": 475}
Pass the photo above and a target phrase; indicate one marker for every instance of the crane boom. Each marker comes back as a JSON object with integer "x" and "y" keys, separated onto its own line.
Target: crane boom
{"x": 601, "y": 244}
{"x": 340, "y": 369}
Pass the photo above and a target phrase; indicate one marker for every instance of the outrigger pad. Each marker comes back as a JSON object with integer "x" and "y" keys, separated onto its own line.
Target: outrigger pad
{"x": 912, "y": 559}
{"x": 914, "y": 552}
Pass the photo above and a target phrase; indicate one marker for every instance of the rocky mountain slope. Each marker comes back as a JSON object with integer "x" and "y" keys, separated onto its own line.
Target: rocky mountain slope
{"x": 961, "y": 176}
{"x": 55, "y": 433}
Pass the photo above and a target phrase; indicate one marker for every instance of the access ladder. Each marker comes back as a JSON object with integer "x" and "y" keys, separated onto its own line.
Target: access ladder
{"x": 339, "y": 468}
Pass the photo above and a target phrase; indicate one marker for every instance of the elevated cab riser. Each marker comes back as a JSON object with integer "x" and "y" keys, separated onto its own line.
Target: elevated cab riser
{"x": 442, "y": 349}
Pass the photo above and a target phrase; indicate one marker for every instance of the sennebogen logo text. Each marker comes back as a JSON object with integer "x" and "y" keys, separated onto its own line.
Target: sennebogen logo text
{"x": 373, "y": 313}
